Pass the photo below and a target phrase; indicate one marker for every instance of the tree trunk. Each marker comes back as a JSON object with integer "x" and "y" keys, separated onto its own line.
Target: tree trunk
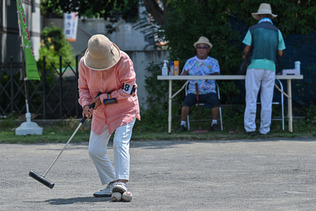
{"x": 156, "y": 11}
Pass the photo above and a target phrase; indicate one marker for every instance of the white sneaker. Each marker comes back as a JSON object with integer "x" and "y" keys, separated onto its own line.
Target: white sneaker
{"x": 119, "y": 187}
{"x": 106, "y": 192}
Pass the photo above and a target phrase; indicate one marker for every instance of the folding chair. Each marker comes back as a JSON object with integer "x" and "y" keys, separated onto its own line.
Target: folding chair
{"x": 202, "y": 104}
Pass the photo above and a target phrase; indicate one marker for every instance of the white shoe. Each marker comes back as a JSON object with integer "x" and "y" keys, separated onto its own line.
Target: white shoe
{"x": 106, "y": 192}
{"x": 119, "y": 187}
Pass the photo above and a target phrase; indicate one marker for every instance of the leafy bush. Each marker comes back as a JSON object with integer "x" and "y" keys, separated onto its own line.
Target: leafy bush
{"x": 54, "y": 45}
{"x": 156, "y": 116}
{"x": 9, "y": 121}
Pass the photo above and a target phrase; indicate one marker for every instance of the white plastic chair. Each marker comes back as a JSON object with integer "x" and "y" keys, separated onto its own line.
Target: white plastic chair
{"x": 202, "y": 104}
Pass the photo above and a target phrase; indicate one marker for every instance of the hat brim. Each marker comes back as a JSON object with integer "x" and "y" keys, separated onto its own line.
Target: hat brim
{"x": 206, "y": 43}
{"x": 255, "y": 15}
{"x": 102, "y": 63}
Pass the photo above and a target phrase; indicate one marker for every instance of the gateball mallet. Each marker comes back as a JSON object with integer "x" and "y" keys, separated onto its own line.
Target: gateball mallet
{"x": 42, "y": 179}
{"x": 198, "y": 105}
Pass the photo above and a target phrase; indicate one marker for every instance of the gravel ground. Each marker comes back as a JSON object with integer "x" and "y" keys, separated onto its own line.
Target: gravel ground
{"x": 167, "y": 175}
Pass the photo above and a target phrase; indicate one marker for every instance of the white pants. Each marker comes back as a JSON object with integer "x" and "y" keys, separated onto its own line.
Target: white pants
{"x": 264, "y": 80}
{"x": 98, "y": 153}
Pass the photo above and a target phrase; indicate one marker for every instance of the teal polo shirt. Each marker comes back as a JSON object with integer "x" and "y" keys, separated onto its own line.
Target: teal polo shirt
{"x": 263, "y": 63}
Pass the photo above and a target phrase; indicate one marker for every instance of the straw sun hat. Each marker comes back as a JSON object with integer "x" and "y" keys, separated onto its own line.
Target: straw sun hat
{"x": 264, "y": 8}
{"x": 101, "y": 54}
{"x": 203, "y": 40}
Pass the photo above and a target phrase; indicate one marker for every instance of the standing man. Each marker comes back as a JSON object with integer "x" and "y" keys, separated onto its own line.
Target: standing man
{"x": 201, "y": 64}
{"x": 107, "y": 71}
{"x": 266, "y": 43}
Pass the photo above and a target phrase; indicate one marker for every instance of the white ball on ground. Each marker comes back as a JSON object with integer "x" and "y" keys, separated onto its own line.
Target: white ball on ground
{"x": 116, "y": 196}
{"x": 127, "y": 196}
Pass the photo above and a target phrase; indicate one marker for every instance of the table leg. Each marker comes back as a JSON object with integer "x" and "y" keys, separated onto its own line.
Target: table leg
{"x": 289, "y": 104}
{"x": 170, "y": 107}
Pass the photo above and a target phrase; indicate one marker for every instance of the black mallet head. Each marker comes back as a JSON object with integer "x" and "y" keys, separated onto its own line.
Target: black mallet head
{"x": 41, "y": 179}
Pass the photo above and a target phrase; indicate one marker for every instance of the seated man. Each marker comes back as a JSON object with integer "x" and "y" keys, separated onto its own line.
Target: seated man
{"x": 201, "y": 64}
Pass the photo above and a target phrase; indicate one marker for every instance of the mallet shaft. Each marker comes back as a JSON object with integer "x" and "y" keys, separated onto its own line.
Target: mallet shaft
{"x": 74, "y": 133}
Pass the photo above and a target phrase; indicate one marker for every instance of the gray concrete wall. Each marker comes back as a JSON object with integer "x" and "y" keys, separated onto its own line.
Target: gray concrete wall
{"x": 141, "y": 60}
{"x": 125, "y": 35}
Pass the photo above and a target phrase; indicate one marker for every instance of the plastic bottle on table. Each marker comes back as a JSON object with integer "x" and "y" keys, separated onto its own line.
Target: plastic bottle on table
{"x": 176, "y": 67}
{"x": 164, "y": 70}
{"x": 171, "y": 68}
{"x": 297, "y": 65}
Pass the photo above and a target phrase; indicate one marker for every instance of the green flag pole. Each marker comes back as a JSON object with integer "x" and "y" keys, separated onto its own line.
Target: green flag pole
{"x": 28, "y": 127}
{"x": 23, "y": 62}
{"x": 30, "y": 63}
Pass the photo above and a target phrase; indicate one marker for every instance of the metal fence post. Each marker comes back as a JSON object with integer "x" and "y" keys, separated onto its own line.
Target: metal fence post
{"x": 61, "y": 87}
{"x": 11, "y": 85}
{"x": 77, "y": 93}
{"x": 44, "y": 87}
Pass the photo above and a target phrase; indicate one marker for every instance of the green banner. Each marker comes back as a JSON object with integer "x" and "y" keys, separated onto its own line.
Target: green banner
{"x": 30, "y": 63}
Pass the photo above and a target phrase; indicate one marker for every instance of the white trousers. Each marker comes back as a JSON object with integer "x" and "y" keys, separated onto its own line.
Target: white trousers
{"x": 264, "y": 80}
{"x": 98, "y": 153}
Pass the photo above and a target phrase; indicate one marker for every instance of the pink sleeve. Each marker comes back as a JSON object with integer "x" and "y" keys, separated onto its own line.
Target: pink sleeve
{"x": 84, "y": 94}
{"x": 125, "y": 75}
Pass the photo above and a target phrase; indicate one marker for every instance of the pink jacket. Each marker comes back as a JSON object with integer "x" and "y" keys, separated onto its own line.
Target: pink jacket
{"x": 91, "y": 82}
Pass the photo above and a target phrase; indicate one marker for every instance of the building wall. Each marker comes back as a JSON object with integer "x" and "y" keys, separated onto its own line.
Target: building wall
{"x": 125, "y": 35}
{"x": 141, "y": 60}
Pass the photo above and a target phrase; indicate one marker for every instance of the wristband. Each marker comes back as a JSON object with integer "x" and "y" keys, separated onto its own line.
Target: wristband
{"x": 109, "y": 100}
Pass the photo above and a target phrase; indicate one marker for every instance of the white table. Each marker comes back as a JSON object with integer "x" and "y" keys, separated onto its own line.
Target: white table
{"x": 171, "y": 78}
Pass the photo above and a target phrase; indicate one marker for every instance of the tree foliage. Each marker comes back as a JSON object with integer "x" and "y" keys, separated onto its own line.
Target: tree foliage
{"x": 54, "y": 45}
{"x": 225, "y": 23}
{"x": 128, "y": 9}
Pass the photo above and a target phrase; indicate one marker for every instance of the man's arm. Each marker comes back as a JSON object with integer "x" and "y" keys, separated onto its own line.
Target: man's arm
{"x": 246, "y": 52}
{"x": 280, "y": 52}
{"x": 281, "y": 45}
{"x": 215, "y": 68}
{"x": 185, "y": 72}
